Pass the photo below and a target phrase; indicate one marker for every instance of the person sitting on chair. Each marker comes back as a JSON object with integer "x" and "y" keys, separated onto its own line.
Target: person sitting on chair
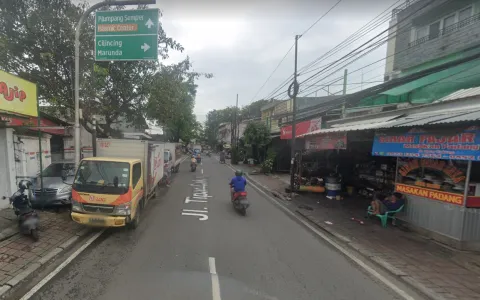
{"x": 382, "y": 204}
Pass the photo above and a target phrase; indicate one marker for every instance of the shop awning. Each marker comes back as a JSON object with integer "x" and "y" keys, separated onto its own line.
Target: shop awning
{"x": 429, "y": 79}
{"x": 358, "y": 125}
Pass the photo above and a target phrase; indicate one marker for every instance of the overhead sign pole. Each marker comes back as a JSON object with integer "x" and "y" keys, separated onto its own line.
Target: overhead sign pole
{"x": 77, "y": 60}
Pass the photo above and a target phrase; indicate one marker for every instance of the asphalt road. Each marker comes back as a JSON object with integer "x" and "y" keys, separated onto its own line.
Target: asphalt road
{"x": 217, "y": 254}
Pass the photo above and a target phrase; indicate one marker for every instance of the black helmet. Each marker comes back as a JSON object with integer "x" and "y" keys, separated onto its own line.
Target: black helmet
{"x": 238, "y": 173}
{"x": 23, "y": 184}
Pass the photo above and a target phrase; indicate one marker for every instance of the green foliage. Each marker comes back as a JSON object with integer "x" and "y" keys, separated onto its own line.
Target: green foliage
{"x": 37, "y": 44}
{"x": 172, "y": 99}
{"x": 267, "y": 165}
{"x": 216, "y": 117}
{"x": 257, "y": 133}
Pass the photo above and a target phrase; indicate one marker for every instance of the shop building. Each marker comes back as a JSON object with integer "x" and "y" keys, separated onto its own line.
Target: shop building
{"x": 429, "y": 153}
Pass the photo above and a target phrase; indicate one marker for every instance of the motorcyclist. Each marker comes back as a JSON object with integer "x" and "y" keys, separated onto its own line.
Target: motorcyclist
{"x": 237, "y": 184}
{"x": 222, "y": 156}
{"x": 193, "y": 160}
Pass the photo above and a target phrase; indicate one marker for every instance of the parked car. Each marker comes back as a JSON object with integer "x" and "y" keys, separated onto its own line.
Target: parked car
{"x": 57, "y": 185}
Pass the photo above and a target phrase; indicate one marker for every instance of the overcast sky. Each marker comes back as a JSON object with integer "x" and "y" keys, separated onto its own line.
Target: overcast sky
{"x": 241, "y": 43}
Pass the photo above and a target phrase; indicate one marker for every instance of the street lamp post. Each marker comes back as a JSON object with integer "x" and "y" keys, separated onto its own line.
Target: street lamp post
{"x": 77, "y": 61}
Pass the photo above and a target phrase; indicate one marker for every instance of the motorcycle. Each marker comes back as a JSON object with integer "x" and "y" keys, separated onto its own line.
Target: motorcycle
{"x": 240, "y": 202}
{"x": 27, "y": 217}
{"x": 193, "y": 167}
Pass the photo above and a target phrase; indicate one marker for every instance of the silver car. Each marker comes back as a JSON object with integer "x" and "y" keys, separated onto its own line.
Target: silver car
{"x": 57, "y": 185}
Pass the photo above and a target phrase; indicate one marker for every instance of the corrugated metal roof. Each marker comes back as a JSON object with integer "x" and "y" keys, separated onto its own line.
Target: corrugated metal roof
{"x": 471, "y": 116}
{"x": 434, "y": 117}
{"x": 461, "y": 94}
{"x": 358, "y": 125}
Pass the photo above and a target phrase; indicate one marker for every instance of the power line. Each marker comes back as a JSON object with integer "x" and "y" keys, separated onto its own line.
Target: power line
{"x": 359, "y": 33}
{"x": 374, "y": 23}
{"x": 271, "y": 74}
{"x": 308, "y": 29}
{"x": 375, "y": 45}
{"x": 321, "y": 17}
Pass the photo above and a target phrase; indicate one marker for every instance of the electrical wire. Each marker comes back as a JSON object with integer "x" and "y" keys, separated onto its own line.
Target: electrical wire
{"x": 273, "y": 72}
{"x": 375, "y": 46}
{"x": 321, "y": 17}
{"x": 365, "y": 29}
{"x": 383, "y": 17}
{"x": 289, "y": 50}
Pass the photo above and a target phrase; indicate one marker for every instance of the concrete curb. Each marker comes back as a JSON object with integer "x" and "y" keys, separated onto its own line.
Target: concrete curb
{"x": 8, "y": 232}
{"x": 32, "y": 267}
{"x": 349, "y": 245}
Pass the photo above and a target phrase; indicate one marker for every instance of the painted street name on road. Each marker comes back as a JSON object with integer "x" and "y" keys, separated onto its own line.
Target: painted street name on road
{"x": 200, "y": 197}
{"x": 126, "y": 35}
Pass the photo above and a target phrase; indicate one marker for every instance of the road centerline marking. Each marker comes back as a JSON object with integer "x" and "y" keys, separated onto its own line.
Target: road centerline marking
{"x": 215, "y": 282}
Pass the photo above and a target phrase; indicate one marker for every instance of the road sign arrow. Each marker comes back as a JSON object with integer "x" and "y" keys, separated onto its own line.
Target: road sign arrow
{"x": 149, "y": 23}
{"x": 145, "y": 47}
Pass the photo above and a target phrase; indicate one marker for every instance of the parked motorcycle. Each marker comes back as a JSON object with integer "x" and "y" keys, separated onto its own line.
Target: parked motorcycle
{"x": 27, "y": 216}
{"x": 240, "y": 202}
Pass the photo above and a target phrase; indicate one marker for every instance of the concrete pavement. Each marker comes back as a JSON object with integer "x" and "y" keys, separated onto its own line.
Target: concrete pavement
{"x": 191, "y": 244}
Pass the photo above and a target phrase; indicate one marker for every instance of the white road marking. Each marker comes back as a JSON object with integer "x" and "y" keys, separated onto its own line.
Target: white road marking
{"x": 45, "y": 280}
{"x": 195, "y": 211}
{"x": 215, "y": 282}
{"x": 340, "y": 248}
{"x": 202, "y": 171}
{"x": 188, "y": 200}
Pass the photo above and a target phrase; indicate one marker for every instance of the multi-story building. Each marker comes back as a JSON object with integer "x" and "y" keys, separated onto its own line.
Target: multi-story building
{"x": 426, "y": 33}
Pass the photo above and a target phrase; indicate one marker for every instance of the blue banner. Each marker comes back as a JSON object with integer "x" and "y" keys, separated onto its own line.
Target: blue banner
{"x": 421, "y": 144}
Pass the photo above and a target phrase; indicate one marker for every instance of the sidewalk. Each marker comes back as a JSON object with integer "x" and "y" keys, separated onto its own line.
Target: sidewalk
{"x": 435, "y": 270}
{"x": 20, "y": 255}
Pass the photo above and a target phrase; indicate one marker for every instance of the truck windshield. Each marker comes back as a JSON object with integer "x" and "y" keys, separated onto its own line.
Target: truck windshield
{"x": 102, "y": 177}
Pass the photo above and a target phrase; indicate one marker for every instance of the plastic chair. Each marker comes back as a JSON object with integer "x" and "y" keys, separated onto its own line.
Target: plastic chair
{"x": 387, "y": 215}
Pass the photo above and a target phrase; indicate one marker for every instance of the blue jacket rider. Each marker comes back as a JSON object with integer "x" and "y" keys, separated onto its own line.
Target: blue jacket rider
{"x": 238, "y": 183}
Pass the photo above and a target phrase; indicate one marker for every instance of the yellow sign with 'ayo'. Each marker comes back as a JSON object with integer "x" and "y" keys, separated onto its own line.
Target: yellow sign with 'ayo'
{"x": 17, "y": 95}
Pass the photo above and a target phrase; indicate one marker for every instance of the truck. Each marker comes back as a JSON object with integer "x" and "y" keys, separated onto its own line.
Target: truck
{"x": 197, "y": 148}
{"x": 111, "y": 190}
{"x": 173, "y": 155}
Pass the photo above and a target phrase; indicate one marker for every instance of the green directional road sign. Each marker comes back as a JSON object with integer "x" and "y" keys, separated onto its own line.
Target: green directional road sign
{"x": 126, "y": 35}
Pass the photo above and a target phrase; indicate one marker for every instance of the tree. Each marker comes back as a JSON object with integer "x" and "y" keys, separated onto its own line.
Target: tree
{"x": 216, "y": 117}
{"x": 172, "y": 99}
{"x": 37, "y": 43}
{"x": 253, "y": 110}
{"x": 257, "y": 135}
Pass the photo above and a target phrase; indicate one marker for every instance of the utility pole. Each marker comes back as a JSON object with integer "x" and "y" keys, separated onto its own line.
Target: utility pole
{"x": 77, "y": 61}
{"x": 237, "y": 126}
{"x": 234, "y": 144}
{"x": 293, "y": 95}
{"x": 345, "y": 74}
{"x": 94, "y": 137}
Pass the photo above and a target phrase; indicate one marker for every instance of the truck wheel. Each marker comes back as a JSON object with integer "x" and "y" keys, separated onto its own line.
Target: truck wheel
{"x": 136, "y": 222}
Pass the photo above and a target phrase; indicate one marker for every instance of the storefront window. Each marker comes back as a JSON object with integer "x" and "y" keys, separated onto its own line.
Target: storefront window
{"x": 442, "y": 180}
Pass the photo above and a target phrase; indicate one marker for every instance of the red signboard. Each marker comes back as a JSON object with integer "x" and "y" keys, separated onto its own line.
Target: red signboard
{"x": 18, "y": 121}
{"x": 300, "y": 128}
{"x": 326, "y": 142}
